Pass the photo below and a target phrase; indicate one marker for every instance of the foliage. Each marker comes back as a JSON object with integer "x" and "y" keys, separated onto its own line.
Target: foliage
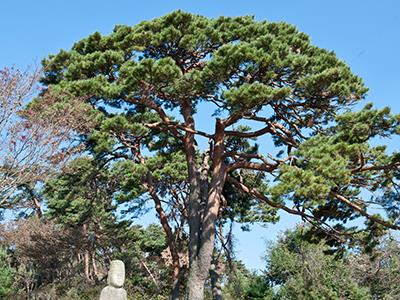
{"x": 243, "y": 284}
{"x": 379, "y": 268}
{"x": 7, "y": 274}
{"x": 42, "y": 251}
{"x": 138, "y": 75}
{"x": 34, "y": 140}
{"x": 305, "y": 271}
{"x": 81, "y": 193}
{"x": 46, "y": 261}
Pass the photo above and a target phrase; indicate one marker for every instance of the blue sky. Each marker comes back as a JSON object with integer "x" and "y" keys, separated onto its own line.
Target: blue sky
{"x": 364, "y": 33}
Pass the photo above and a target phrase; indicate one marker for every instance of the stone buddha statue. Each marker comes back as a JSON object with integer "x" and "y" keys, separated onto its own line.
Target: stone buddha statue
{"x": 115, "y": 280}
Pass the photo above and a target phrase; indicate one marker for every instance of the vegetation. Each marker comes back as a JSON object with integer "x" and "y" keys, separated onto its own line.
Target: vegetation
{"x": 305, "y": 271}
{"x": 7, "y": 274}
{"x": 117, "y": 124}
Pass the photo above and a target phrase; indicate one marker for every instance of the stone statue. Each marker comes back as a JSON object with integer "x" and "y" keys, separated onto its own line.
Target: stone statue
{"x": 115, "y": 280}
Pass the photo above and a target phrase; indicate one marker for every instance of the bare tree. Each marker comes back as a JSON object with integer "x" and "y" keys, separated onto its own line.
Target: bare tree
{"x": 34, "y": 140}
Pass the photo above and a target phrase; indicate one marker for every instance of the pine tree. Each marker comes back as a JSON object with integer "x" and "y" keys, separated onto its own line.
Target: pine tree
{"x": 80, "y": 198}
{"x": 306, "y": 153}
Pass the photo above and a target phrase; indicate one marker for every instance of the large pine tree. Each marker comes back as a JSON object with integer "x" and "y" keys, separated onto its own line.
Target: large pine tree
{"x": 248, "y": 79}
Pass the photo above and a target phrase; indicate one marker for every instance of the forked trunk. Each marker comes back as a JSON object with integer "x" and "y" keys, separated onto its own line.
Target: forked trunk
{"x": 202, "y": 232}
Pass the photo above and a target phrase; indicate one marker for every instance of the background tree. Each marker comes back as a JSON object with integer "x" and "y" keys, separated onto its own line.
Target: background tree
{"x": 80, "y": 198}
{"x": 34, "y": 142}
{"x": 377, "y": 268}
{"x": 41, "y": 252}
{"x": 151, "y": 81}
{"x": 46, "y": 259}
{"x": 244, "y": 284}
{"x": 15, "y": 87}
{"x": 83, "y": 199}
{"x": 305, "y": 270}
{"x": 162, "y": 179}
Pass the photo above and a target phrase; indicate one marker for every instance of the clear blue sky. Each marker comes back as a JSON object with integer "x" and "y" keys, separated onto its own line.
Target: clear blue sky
{"x": 364, "y": 33}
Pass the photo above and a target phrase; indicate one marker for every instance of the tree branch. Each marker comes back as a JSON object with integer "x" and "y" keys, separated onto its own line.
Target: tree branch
{"x": 363, "y": 212}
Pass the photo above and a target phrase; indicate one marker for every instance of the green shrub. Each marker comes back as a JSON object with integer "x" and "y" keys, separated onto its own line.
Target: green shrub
{"x": 7, "y": 274}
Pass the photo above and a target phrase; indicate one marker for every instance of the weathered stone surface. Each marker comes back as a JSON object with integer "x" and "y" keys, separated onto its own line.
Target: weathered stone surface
{"x": 116, "y": 275}
{"x": 113, "y": 293}
{"x": 115, "y": 280}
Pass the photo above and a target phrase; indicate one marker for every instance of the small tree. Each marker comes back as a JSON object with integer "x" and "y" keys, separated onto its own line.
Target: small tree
{"x": 80, "y": 198}
{"x": 41, "y": 252}
{"x": 151, "y": 80}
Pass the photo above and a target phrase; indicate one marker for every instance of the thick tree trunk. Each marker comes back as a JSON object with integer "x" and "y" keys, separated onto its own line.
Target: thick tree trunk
{"x": 204, "y": 234}
{"x": 199, "y": 269}
{"x": 196, "y": 279}
{"x": 196, "y": 198}
{"x": 195, "y": 283}
{"x": 196, "y": 275}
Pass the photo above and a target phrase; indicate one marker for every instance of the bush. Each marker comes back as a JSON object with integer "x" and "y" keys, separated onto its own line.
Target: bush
{"x": 7, "y": 273}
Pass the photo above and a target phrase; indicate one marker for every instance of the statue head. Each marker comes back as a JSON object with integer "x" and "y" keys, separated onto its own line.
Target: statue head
{"x": 116, "y": 274}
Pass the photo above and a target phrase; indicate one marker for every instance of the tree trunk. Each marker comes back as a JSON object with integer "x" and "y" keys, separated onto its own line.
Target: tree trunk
{"x": 86, "y": 255}
{"x": 215, "y": 277}
{"x": 176, "y": 283}
{"x": 86, "y": 260}
{"x": 94, "y": 265}
{"x": 199, "y": 269}
{"x": 196, "y": 276}
{"x": 204, "y": 235}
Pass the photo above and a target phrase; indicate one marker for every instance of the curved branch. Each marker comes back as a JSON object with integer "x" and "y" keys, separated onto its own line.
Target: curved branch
{"x": 376, "y": 168}
{"x": 310, "y": 218}
{"x": 363, "y": 212}
{"x": 146, "y": 101}
{"x": 252, "y": 166}
{"x": 251, "y": 134}
{"x": 256, "y": 194}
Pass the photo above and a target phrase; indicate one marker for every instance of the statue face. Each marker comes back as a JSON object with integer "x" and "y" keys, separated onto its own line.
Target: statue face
{"x": 116, "y": 274}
